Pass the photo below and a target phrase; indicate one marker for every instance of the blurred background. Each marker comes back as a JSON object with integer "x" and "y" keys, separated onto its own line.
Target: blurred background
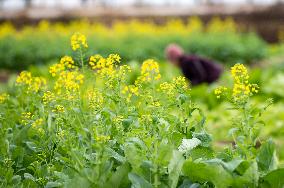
{"x": 36, "y": 33}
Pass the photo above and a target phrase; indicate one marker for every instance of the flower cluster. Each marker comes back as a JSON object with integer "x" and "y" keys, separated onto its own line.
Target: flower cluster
{"x": 130, "y": 90}
{"x": 48, "y": 97}
{"x": 26, "y": 117}
{"x": 25, "y": 77}
{"x": 58, "y": 109}
{"x": 69, "y": 80}
{"x": 104, "y": 66}
{"x": 242, "y": 88}
{"x": 55, "y": 69}
{"x": 95, "y": 99}
{"x": 102, "y": 138}
{"x": 178, "y": 84}
{"x": 118, "y": 119}
{"x": 3, "y": 97}
{"x": 167, "y": 88}
{"x": 97, "y": 62}
{"x": 78, "y": 41}
{"x": 37, "y": 123}
{"x": 150, "y": 71}
{"x": 33, "y": 84}
{"x": 220, "y": 91}
{"x": 68, "y": 62}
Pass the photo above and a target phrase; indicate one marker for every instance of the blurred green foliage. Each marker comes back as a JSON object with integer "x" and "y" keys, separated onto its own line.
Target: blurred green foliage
{"x": 133, "y": 40}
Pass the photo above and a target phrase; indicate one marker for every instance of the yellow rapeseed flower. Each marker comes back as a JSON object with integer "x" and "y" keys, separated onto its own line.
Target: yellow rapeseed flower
{"x": 150, "y": 71}
{"x": 48, "y": 97}
{"x": 130, "y": 90}
{"x": 220, "y": 91}
{"x": 78, "y": 40}
{"x": 25, "y": 77}
{"x": 102, "y": 138}
{"x": 55, "y": 69}
{"x": 242, "y": 89}
{"x": 3, "y": 97}
{"x": 180, "y": 82}
{"x": 95, "y": 99}
{"x": 97, "y": 62}
{"x": 69, "y": 80}
{"x": 37, "y": 123}
{"x": 59, "y": 109}
{"x": 34, "y": 84}
{"x": 167, "y": 88}
{"x": 26, "y": 117}
{"x": 68, "y": 62}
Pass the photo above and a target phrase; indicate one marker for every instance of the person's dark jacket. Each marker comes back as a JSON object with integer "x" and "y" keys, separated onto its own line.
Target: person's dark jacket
{"x": 199, "y": 70}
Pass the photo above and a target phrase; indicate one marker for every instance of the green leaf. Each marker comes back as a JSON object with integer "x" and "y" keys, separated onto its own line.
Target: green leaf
{"x": 29, "y": 176}
{"x": 32, "y": 146}
{"x": 273, "y": 179}
{"x": 52, "y": 184}
{"x": 250, "y": 178}
{"x": 16, "y": 179}
{"x": 175, "y": 168}
{"x": 203, "y": 172}
{"x": 138, "y": 182}
{"x": 266, "y": 158}
{"x": 165, "y": 153}
{"x": 188, "y": 184}
{"x": 134, "y": 155}
{"x": 49, "y": 121}
{"x": 119, "y": 177}
{"x": 232, "y": 165}
{"x": 201, "y": 152}
{"x": 115, "y": 155}
{"x": 204, "y": 137}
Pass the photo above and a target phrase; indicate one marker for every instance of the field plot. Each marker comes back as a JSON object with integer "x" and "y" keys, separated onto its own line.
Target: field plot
{"x": 100, "y": 106}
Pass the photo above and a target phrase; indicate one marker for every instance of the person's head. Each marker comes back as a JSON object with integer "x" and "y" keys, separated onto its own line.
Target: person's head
{"x": 173, "y": 53}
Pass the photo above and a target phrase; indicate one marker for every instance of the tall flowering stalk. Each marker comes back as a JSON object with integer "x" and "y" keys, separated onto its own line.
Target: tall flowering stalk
{"x": 247, "y": 125}
{"x": 79, "y": 44}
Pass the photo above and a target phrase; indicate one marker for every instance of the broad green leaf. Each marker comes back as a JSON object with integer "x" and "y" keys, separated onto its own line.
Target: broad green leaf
{"x": 201, "y": 152}
{"x": 204, "y": 137}
{"x": 266, "y": 158}
{"x": 188, "y": 184}
{"x": 138, "y": 182}
{"x": 232, "y": 165}
{"x": 32, "y": 146}
{"x": 203, "y": 172}
{"x": 16, "y": 179}
{"x": 165, "y": 151}
{"x": 134, "y": 155}
{"x": 119, "y": 177}
{"x": 29, "y": 176}
{"x": 53, "y": 184}
{"x": 175, "y": 168}
{"x": 250, "y": 178}
{"x": 273, "y": 179}
{"x": 115, "y": 155}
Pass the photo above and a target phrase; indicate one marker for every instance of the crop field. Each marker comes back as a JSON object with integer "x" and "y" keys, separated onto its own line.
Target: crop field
{"x": 90, "y": 105}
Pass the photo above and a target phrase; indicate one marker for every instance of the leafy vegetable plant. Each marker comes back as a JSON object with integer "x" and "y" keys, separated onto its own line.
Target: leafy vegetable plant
{"x": 88, "y": 126}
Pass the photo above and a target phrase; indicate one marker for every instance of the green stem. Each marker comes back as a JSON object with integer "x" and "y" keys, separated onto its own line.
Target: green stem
{"x": 81, "y": 58}
{"x": 156, "y": 169}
